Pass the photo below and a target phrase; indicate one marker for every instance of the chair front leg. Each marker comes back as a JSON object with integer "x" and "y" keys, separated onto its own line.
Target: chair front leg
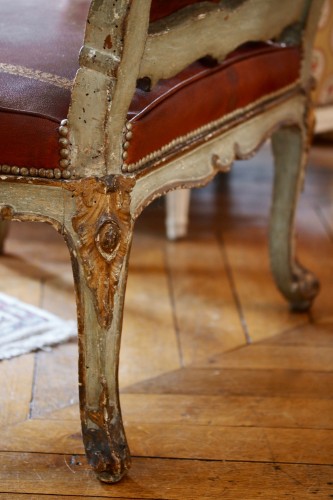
{"x": 100, "y": 246}
{"x": 4, "y": 226}
{"x": 298, "y": 285}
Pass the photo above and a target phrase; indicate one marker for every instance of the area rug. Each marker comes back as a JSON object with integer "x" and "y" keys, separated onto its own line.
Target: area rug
{"x": 25, "y": 328}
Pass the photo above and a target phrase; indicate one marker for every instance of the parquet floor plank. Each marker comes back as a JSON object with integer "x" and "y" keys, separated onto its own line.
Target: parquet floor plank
{"x": 165, "y": 479}
{"x": 16, "y": 378}
{"x": 58, "y": 295}
{"x": 148, "y": 316}
{"x": 308, "y": 335}
{"x": 237, "y": 411}
{"x": 245, "y": 246}
{"x": 24, "y": 496}
{"x": 56, "y": 376}
{"x": 276, "y": 357}
{"x": 212, "y": 442}
{"x": 205, "y": 309}
{"x": 23, "y": 289}
{"x": 313, "y": 235}
{"x": 208, "y": 416}
{"x": 233, "y": 382}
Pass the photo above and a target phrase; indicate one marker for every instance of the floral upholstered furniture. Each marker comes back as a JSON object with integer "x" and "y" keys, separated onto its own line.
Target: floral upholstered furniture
{"x": 165, "y": 94}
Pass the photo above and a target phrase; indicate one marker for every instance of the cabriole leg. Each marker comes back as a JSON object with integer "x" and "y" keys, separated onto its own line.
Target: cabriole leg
{"x": 99, "y": 246}
{"x": 299, "y": 286}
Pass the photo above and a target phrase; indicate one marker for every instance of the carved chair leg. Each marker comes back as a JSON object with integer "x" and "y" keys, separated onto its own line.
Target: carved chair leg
{"x": 4, "y": 226}
{"x": 99, "y": 247}
{"x": 299, "y": 286}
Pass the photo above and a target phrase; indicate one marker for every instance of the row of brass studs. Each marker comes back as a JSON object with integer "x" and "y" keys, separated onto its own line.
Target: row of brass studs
{"x": 128, "y": 134}
{"x": 64, "y": 163}
{"x": 56, "y": 173}
{"x": 36, "y": 172}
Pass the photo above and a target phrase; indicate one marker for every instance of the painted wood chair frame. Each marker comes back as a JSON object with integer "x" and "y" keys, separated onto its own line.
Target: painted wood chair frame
{"x": 95, "y": 207}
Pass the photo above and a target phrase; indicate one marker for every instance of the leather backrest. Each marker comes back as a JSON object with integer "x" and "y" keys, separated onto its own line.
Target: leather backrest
{"x": 160, "y": 8}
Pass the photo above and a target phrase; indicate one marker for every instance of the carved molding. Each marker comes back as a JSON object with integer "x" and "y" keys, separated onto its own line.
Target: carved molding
{"x": 199, "y": 166}
{"x": 199, "y": 135}
{"x": 184, "y": 33}
{"x": 103, "y": 225}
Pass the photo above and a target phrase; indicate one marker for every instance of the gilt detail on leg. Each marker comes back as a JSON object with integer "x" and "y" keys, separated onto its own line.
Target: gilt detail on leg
{"x": 101, "y": 238}
{"x": 105, "y": 441}
{"x": 103, "y": 224}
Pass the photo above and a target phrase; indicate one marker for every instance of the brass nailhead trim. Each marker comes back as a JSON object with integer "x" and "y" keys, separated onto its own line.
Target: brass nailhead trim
{"x": 49, "y": 173}
{"x": 128, "y": 134}
{"x": 35, "y": 172}
{"x": 64, "y": 162}
{"x": 148, "y": 160}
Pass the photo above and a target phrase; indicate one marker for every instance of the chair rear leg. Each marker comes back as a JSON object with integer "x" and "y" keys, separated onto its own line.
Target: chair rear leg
{"x": 177, "y": 213}
{"x": 298, "y": 285}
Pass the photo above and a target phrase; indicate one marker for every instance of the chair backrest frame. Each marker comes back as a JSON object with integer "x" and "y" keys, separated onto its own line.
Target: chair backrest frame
{"x": 121, "y": 46}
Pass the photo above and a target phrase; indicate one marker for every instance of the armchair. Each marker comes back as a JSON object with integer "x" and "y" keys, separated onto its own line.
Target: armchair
{"x": 166, "y": 95}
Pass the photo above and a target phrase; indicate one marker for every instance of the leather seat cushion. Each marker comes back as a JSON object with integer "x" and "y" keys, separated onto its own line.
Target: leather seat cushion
{"x": 200, "y": 95}
{"x": 39, "y": 46}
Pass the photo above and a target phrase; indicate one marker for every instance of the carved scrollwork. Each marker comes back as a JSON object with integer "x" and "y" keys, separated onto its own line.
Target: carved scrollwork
{"x": 103, "y": 225}
{"x": 221, "y": 165}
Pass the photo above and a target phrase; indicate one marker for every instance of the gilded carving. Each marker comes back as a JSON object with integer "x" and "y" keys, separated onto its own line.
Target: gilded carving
{"x": 108, "y": 239}
{"x": 103, "y": 224}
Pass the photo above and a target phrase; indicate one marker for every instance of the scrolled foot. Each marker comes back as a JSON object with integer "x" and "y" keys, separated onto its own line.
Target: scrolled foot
{"x": 304, "y": 289}
{"x": 109, "y": 460}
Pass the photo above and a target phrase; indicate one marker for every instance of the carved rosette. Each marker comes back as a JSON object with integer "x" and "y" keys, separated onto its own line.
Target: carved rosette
{"x": 103, "y": 224}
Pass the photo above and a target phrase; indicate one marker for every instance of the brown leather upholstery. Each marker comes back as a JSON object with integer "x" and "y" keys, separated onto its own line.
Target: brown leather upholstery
{"x": 163, "y": 8}
{"x": 199, "y": 95}
{"x": 39, "y": 46}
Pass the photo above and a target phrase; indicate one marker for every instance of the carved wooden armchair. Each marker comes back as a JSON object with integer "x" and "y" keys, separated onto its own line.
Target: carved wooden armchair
{"x": 168, "y": 93}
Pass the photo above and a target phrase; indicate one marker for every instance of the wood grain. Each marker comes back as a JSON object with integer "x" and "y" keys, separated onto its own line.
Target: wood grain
{"x": 206, "y": 313}
{"x": 56, "y": 376}
{"x": 233, "y": 382}
{"x": 277, "y": 358}
{"x": 164, "y": 479}
{"x": 245, "y": 411}
{"x": 245, "y": 245}
{"x": 23, "y": 496}
{"x": 148, "y": 318}
{"x": 268, "y": 401}
{"x": 209, "y": 442}
{"x": 15, "y": 389}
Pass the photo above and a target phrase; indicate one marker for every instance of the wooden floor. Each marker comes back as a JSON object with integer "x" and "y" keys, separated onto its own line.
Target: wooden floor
{"x": 225, "y": 394}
